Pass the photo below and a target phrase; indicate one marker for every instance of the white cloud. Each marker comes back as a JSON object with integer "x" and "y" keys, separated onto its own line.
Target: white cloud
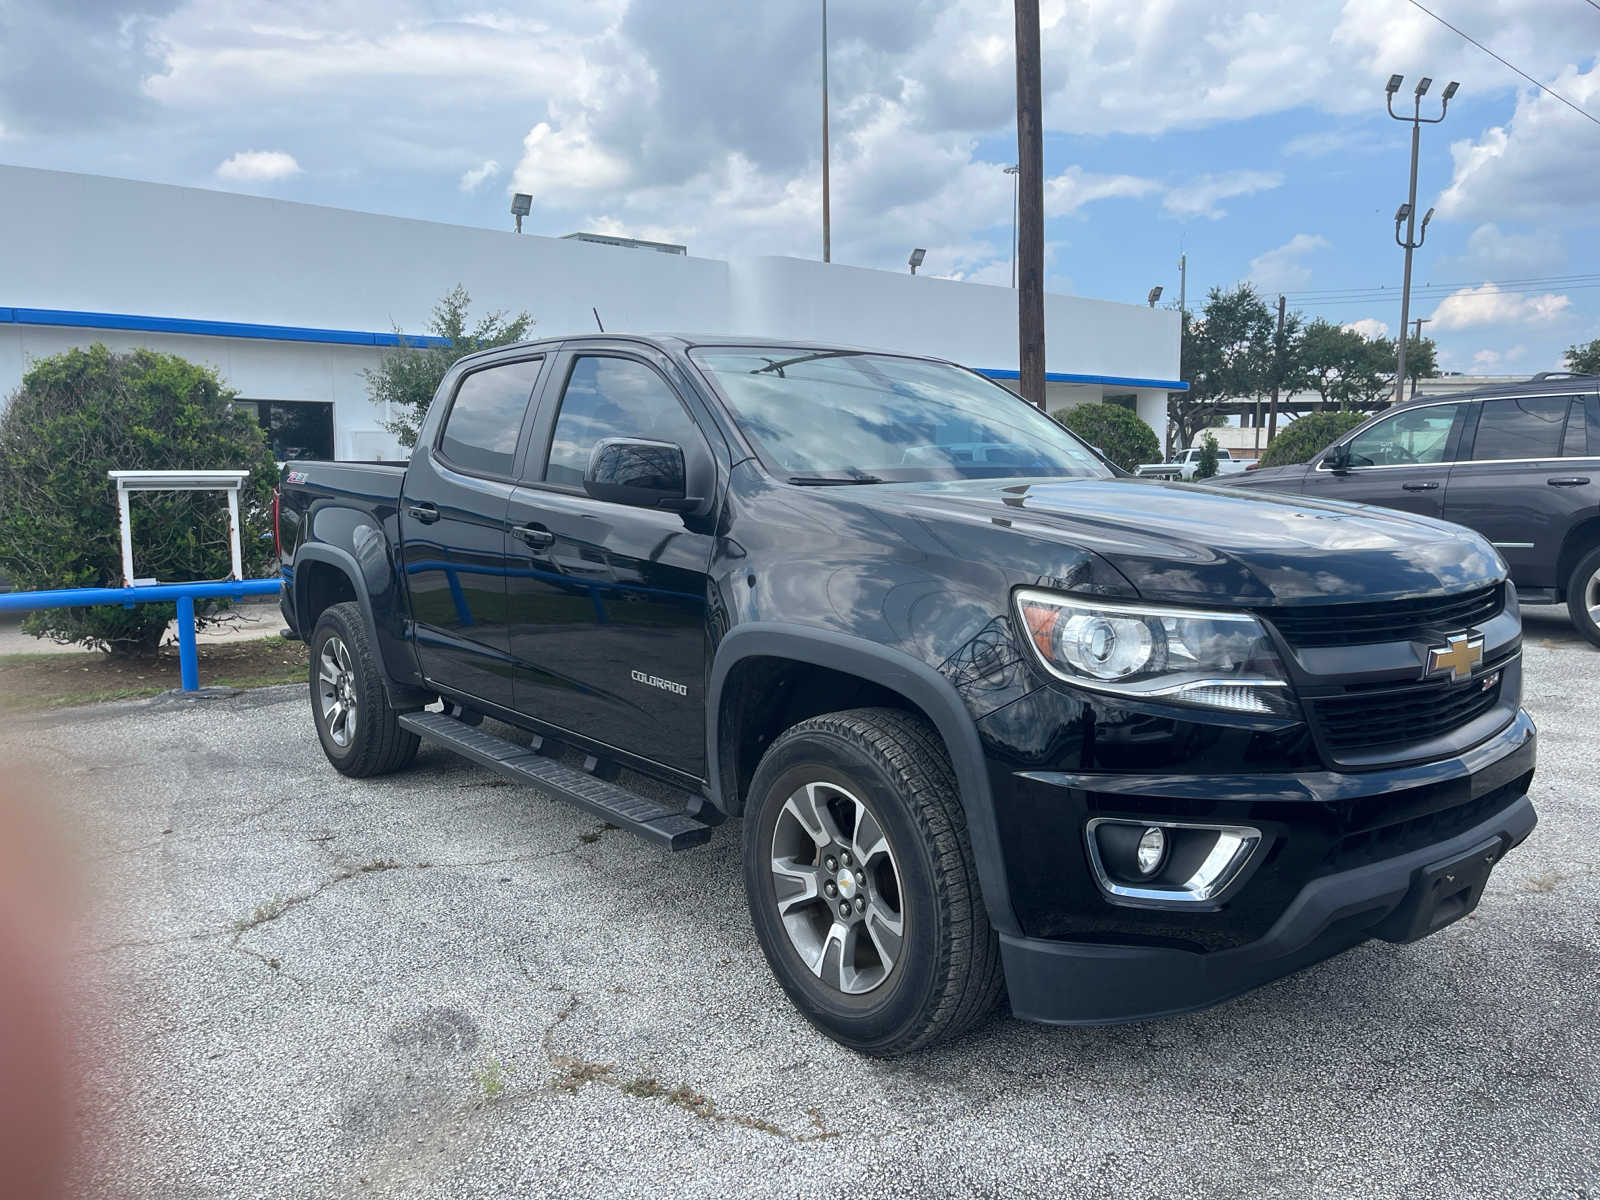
{"x": 569, "y": 156}
{"x": 1488, "y": 305}
{"x": 1368, "y": 327}
{"x": 1069, "y": 191}
{"x": 258, "y": 166}
{"x": 1488, "y": 360}
{"x": 1332, "y": 141}
{"x": 1493, "y": 254}
{"x": 1284, "y": 269}
{"x": 472, "y": 180}
{"x": 1200, "y": 197}
{"x": 1542, "y": 162}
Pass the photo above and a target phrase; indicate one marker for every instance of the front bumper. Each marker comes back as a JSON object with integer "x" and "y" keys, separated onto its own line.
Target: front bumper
{"x": 1398, "y": 896}
{"x": 1083, "y": 983}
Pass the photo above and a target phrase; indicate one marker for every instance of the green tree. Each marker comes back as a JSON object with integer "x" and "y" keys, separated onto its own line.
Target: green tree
{"x": 80, "y": 414}
{"x": 1422, "y": 360}
{"x": 1227, "y": 355}
{"x": 1115, "y": 431}
{"x": 1206, "y": 466}
{"x": 1301, "y": 439}
{"x": 403, "y": 384}
{"x": 1584, "y": 359}
{"x": 1343, "y": 367}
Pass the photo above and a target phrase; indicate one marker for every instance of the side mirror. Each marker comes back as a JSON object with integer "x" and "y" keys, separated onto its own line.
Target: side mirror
{"x": 641, "y": 473}
{"x": 1339, "y": 457}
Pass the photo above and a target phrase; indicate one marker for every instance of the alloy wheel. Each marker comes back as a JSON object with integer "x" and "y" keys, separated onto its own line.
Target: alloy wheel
{"x": 336, "y": 691}
{"x": 837, "y": 887}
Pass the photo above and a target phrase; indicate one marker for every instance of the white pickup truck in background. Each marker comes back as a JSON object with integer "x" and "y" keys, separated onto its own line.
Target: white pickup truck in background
{"x": 1187, "y": 463}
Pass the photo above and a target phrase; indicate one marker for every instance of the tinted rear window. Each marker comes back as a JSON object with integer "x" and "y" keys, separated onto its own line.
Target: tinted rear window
{"x": 480, "y": 434}
{"x": 1527, "y": 427}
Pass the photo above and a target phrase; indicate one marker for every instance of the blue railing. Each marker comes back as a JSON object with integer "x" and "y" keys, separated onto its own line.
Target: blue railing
{"x": 184, "y": 593}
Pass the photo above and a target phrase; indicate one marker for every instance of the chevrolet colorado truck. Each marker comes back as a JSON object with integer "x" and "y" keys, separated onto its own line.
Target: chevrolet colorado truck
{"x": 996, "y": 720}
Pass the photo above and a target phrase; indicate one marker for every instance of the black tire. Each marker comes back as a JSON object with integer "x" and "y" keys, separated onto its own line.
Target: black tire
{"x": 1583, "y": 595}
{"x": 946, "y": 974}
{"x": 376, "y": 745}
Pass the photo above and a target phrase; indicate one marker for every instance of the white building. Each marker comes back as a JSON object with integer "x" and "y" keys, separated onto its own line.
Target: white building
{"x": 290, "y": 302}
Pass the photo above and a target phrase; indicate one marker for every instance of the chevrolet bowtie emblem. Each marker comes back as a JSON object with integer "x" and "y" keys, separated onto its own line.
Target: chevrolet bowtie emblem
{"x": 1458, "y": 655}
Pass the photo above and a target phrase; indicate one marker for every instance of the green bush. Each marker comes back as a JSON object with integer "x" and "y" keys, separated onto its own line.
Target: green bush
{"x": 1117, "y": 432}
{"x": 1205, "y": 466}
{"x": 80, "y": 414}
{"x": 1301, "y": 439}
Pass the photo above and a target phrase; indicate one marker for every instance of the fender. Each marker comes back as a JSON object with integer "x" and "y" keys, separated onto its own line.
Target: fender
{"x": 400, "y": 695}
{"x": 919, "y": 683}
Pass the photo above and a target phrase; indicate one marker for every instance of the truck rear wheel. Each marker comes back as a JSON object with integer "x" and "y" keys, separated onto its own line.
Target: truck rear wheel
{"x": 861, "y": 882}
{"x": 356, "y": 725}
{"x": 1583, "y": 596}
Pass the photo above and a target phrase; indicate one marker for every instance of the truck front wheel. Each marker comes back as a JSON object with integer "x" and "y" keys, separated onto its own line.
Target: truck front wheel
{"x": 356, "y": 725}
{"x": 861, "y": 882}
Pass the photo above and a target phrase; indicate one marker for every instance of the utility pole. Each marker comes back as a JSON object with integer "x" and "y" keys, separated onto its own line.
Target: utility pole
{"x": 1407, "y": 212}
{"x": 1419, "y": 322}
{"x": 1030, "y": 206}
{"x": 1014, "y": 171}
{"x": 827, "y": 249}
{"x": 1277, "y": 376}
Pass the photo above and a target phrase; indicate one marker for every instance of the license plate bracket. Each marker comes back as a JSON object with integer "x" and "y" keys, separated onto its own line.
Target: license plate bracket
{"x": 1442, "y": 892}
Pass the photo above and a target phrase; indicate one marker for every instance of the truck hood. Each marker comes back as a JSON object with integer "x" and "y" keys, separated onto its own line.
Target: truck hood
{"x": 1188, "y": 544}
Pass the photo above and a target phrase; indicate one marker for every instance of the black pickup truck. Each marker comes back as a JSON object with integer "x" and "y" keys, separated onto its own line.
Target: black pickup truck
{"x": 995, "y": 719}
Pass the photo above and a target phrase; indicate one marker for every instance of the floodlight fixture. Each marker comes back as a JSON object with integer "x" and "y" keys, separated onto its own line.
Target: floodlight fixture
{"x": 1401, "y": 213}
{"x": 1394, "y": 83}
{"x": 1155, "y": 294}
{"x": 521, "y": 205}
{"x": 1422, "y": 88}
{"x": 1450, "y": 90}
{"x": 916, "y": 258}
{"x": 1426, "y": 217}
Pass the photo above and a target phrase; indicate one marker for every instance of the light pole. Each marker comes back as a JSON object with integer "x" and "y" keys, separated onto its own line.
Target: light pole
{"x": 1407, "y": 212}
{"x": 1014, "y": 170}
{"x": 827, "y": 249}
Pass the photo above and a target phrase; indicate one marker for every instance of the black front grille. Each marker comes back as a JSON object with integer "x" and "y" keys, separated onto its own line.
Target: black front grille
{"x": 1376, "y": 720}
{"x": 1390, "y": 621}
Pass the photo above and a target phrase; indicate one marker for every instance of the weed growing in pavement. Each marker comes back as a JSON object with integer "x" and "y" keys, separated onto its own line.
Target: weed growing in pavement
{"x": 490, "y": 1081}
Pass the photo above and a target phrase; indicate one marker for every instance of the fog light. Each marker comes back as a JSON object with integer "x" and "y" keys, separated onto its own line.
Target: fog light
{"x": 1152, "y": 849}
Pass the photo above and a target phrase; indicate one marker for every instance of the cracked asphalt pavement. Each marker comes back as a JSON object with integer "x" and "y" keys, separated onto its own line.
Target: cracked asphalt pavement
{"x": 435, "y": 984}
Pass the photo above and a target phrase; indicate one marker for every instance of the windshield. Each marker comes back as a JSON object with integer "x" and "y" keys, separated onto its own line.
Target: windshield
{"x": 841, "y": 416}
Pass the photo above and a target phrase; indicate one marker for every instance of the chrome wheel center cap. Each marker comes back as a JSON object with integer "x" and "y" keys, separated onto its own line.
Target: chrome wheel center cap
{"x": 846, "y": 883}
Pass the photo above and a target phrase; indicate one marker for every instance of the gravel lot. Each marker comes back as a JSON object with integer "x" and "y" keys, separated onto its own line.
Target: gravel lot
{"x": 435, "y": 985}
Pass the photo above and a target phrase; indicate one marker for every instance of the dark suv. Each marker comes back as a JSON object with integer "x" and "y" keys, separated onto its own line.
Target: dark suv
{"x": 1520, "y": 464}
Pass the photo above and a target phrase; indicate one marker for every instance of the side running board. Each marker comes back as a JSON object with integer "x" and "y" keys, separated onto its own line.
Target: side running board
{"x": 669, "y": 827}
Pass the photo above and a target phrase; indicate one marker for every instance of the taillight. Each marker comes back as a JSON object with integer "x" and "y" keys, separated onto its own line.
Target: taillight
{"x": 277, "y": 532}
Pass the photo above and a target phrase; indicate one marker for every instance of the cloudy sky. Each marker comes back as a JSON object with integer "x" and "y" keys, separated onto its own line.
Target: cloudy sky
{"x": 1251, "y": 136}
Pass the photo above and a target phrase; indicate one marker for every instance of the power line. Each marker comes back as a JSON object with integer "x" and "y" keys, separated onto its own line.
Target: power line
{"x": 1527, "y": 283}
{"x": 1502, "y": 62}
{"x": 1594, "y": 4}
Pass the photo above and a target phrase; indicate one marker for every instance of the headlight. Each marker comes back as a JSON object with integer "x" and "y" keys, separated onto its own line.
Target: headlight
{"x": 1213, "y": 659}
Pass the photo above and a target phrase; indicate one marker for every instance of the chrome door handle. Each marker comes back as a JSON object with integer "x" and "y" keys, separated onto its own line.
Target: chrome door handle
{"x": 1427, "y": 485}
{"x": 533, "y": 535}
{"x": 1568, "y": 481}
{"x": 426, "y": 513}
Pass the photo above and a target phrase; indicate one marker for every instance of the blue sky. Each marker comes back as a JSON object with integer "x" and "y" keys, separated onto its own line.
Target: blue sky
{"x": 1250, "y": 136}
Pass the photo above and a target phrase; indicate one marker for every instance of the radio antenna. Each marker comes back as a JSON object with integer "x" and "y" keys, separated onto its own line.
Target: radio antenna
{"x": 596, "y": 313}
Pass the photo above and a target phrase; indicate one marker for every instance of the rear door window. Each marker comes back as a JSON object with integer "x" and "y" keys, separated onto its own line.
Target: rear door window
{"x": 1521, "y": 427}
{"x": 480, "y": 434}
{"x": 1576, "y": 442}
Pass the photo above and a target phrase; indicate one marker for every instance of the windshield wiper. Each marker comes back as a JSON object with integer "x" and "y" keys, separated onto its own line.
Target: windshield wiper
{"x": 779, "y": 365}
{"x": 835, "y": 480}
